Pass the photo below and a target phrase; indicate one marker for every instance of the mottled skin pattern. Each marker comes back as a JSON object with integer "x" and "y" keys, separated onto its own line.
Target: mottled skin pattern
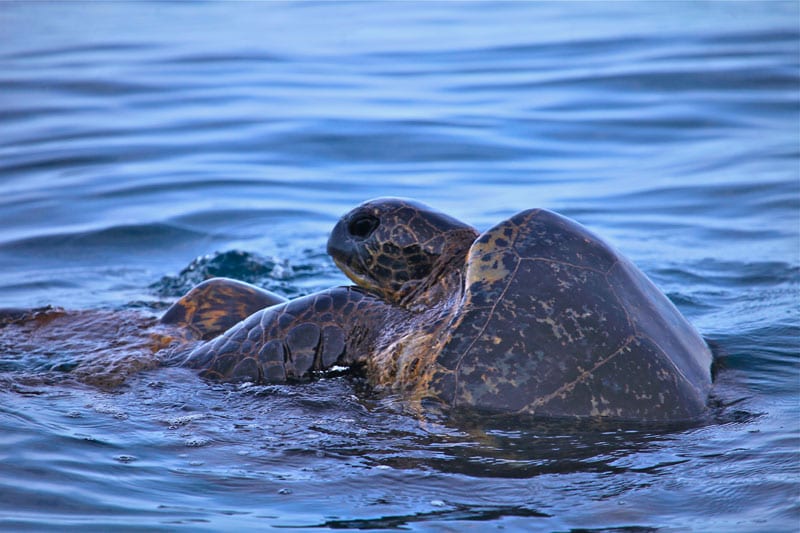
{"x": 536, "y": 316}
{"x": 401, "y": 250}
{"x": 554, "y": 322}
{"x": 288, "y": 342}
{"x": 217, "y": 304}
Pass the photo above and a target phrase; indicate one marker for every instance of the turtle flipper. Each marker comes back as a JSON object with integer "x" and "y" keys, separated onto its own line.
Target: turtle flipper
{"x": 289, "y": 341}
{"x": 215, "y": 305}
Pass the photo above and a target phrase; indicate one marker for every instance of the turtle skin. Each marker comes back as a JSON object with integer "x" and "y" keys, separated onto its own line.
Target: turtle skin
{"x": 291, "y": 341}
{"x": 555, "y": 322}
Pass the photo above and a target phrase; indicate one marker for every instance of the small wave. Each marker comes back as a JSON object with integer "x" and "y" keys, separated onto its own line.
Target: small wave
{"x": 97, "y": 87}
{"x": 230, "y": 58}
{"x": 280, "y": 275}
{"x": 710, "y": 199}
{"x": 740, "y": 274}
{"x": 109, "y": 240}
{"x": 80, "y": 51}
{"x": 236, "y": 264}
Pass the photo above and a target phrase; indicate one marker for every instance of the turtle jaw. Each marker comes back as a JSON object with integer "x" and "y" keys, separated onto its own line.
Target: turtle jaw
{"x": 359, "y": 279}
{"x": 344, "y": 253}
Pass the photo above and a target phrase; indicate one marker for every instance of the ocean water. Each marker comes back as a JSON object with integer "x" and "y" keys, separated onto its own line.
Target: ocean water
{"x": 146, "y": 146}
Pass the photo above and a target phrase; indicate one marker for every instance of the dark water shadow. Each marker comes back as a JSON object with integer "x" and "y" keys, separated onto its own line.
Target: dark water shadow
{"x": 459, "y": 513}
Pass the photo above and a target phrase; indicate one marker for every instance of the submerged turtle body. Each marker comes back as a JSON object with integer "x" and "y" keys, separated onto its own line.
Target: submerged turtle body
{"x": 104, "y": 347}
{"x": 537, "y": 315}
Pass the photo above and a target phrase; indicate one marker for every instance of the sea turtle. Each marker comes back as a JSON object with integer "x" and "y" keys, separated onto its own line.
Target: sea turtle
{"x": 103, "y": 347}
{"x": 537, "y": 315}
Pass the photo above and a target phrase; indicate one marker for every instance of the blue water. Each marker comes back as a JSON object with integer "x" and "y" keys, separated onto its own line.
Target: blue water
{"x": 146, "y": 146}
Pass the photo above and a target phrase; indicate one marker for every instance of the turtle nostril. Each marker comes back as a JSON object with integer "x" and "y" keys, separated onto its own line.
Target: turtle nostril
{"x": 363, "y": 226}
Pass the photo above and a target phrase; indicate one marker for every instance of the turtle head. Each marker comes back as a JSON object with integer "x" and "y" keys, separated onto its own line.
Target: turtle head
{"x": 397, "y": 247}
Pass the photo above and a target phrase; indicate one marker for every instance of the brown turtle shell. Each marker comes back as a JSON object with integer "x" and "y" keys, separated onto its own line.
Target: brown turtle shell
{"x": 555, "y": 322}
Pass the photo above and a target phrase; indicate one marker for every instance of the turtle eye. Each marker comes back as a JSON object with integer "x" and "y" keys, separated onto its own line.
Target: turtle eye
{"x": 362, "y": 226}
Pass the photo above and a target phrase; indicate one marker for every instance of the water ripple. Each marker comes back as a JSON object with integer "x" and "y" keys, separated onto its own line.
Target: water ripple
{"x": 163, "y": 146}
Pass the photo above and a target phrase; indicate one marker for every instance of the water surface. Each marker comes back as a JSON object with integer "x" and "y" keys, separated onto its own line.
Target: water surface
{"x": 148, "y": 145}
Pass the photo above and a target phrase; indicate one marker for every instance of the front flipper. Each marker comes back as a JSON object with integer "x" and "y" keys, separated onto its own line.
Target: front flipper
{"x": 215, "y": 305}
{"x": 287, "y": 342}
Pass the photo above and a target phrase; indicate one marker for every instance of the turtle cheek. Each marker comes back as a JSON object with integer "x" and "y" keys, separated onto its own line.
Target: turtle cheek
{"x": 419, "y": 262}
{"x": 384, "y": 277}
{"x": 401, "y": 277}
{"x": 360, "y": 268}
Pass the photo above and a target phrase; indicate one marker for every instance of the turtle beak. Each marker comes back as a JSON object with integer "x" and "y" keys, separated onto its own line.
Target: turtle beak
{"x": 340, "y": 246}
{"x": 343, "y": 250}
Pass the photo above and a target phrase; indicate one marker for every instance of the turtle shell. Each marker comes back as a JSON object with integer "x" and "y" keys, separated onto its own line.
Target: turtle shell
{"x": 217, "y": 304}
{"x": 555, "y": 322}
